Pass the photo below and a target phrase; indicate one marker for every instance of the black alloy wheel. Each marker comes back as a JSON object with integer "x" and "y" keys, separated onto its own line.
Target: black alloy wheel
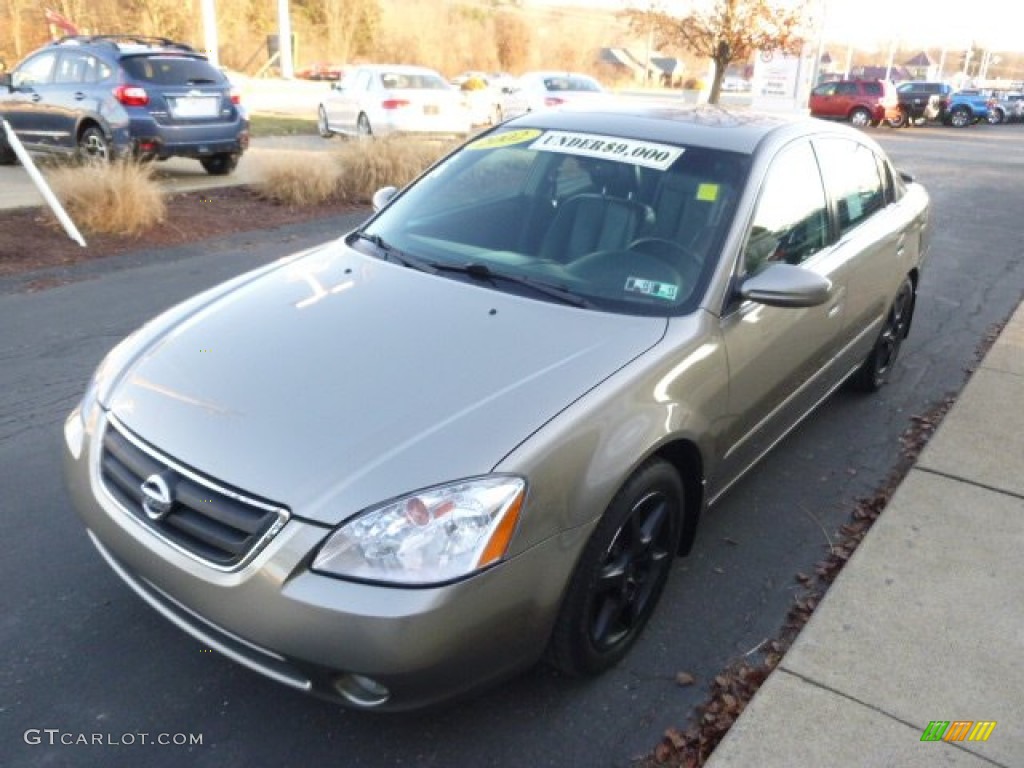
{"x": 875, "y": 371}
{"x": 621, "y": 573}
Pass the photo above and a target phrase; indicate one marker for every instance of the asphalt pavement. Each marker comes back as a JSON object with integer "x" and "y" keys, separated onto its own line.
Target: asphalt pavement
{"x": 921, "y": 633}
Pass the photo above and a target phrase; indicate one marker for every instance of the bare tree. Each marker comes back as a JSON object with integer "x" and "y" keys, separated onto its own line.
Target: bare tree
{"x": 350, "y": 25}
{"x": 512, "y": 41}
{"x": 731, "y": 30}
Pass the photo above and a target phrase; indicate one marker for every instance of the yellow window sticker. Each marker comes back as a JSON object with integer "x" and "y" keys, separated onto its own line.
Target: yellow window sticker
{"x": 707, "y": 192}
{"x": 505, "y": 139}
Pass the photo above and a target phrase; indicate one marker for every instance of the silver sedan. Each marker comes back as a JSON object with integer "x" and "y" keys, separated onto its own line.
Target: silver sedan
{"x": 380, "y": 100}
{"x": 477, "y": 431}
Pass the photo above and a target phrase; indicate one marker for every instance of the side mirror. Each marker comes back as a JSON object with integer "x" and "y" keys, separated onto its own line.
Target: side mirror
{"x": 6, "y": 82}
{"x": 382, "y": 197}
{"x": 907, "y": 177}
{"x": 336, "y": 85}
{"x": 786, "y": 285}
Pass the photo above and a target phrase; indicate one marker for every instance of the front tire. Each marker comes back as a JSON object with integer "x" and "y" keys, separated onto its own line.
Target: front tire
{"x": 220, "y": 164}
{"x": 875, "y": 370}
{"x": 621, "y": 573}
{"x": 900, "y": 121}
{"x": 996, "y": 116}
{"x": 363, "y": 129}
{"x": 93, "y": 146}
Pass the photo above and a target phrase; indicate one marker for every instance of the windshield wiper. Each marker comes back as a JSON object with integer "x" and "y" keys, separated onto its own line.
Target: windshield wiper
{"x": 484, "y": 272}
{"x": 391, "y": 253}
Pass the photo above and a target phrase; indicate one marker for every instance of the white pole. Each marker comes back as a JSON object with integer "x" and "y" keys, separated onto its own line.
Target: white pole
{"x": 41, "y": 185}
{"x": 210, "y": 31}
{"x": 284, "y": 40}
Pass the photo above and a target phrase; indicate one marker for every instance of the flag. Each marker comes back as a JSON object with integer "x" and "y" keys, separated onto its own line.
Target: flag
{"x": 55, "y": 19}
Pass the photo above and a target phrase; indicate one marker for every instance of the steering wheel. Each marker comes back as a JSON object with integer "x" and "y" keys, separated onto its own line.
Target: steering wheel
{"x": 677, "y": 256}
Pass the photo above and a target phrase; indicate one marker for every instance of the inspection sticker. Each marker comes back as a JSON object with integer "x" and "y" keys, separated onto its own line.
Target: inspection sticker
{"x": 653, "y": 288}
{"x": 505, "y": 139}
{"x": 646, "y": 153}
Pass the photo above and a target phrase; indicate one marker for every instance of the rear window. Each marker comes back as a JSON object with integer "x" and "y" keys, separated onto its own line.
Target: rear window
{"x": 873, "y": 89}
{"x": 413, "y": 81}
{"x": 172, "y": 70}
{"x": 570, "y": 84}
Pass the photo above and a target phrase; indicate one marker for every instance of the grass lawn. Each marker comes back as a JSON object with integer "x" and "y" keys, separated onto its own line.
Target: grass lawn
{"x": 281, "y": 125}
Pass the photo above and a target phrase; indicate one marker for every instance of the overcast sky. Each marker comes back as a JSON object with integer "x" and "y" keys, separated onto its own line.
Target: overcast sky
{"x": 875, "y": 23}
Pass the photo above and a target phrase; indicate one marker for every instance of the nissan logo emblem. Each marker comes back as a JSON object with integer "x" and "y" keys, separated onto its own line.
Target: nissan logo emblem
{"x": 156, "y": 498}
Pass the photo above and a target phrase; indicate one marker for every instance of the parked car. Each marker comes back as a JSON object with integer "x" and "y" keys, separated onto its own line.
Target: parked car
{"x": 380, "y": 100}
{"x": 321, "y": 70}
{"x": 478, "y": 429}
{"x": 543, "y": 90}
{"x": 1007, "y": 107}
{"x": 105, "y": 96}
{"x": 861, "y": 102}
{"x": 968, "y": 106}
{"x": 921, "y": 100}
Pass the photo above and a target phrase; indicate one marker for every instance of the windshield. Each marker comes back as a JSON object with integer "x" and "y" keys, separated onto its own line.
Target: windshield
{"x": 625, "y": 225}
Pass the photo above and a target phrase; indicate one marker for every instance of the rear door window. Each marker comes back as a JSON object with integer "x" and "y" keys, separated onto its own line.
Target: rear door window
{"x": 852, "y": 175}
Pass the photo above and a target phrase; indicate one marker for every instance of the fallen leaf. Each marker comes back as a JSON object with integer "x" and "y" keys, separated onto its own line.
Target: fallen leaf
{"x": 685, "y": 678}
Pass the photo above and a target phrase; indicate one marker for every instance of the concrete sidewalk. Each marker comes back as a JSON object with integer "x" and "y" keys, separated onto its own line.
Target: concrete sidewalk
{"x": 926, "y": 621}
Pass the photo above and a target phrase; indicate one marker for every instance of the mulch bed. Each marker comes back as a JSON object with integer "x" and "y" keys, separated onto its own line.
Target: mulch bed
{"x": 31, "y": 239}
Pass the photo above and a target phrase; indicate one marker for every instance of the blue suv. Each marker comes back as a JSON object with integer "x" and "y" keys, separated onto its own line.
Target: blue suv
{"x": 107, "y": 96}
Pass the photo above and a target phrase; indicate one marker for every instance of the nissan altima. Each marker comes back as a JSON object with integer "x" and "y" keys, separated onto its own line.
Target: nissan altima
{"x": 476, "y": 432}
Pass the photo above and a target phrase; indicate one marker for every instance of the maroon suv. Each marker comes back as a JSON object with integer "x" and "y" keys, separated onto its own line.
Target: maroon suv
{"x": 862, "y": 102}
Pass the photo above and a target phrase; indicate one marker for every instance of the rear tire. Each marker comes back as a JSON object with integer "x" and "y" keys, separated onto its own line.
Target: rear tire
{"x": 875, "y": 370}
{"x": 860, "y": 118}
{"x": 321, "y": 123}
{"x": 93, "y": 146}
{"x": 960, "y": 117}
{"x": 621, "y": 573}
{"x": 220, "y": 164}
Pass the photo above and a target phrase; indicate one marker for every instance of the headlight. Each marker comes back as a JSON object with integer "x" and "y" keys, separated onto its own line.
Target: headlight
{"x": 431, "y": 536}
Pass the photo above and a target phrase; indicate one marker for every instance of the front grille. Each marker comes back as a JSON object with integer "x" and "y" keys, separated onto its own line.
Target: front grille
{"x": 216, "y": 524}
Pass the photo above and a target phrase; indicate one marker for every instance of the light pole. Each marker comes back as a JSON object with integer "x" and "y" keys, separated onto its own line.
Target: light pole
{"x": 284, "y": 40}
{"x": 210, "y": 31}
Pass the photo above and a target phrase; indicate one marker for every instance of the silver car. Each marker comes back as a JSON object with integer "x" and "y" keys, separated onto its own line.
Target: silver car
{"x": 478, "y": 430}
{"x": 380, "y": 100}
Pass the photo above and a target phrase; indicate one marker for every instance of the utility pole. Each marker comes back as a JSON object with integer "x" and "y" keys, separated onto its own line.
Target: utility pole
{"x": 210, "y": 42}
{"x": 284, "y": 40}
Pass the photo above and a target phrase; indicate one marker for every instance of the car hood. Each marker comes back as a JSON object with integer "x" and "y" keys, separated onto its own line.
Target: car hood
{"x": 338, "y": 380}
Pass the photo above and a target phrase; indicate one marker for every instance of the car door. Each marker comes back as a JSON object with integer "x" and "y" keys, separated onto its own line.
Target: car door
{"x": 27, "y": 107}
{"x": 822, "y": 100}
{"x": 343, "y": 105}
{"x": 780, "y": 359}
{"x": 73, "y": 94}
{"x": 877, "y": 235}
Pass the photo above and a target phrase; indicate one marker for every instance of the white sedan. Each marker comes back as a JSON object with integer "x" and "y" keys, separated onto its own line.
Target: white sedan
{"x": 379, "y": 100}
{"x": 541, "y": 90}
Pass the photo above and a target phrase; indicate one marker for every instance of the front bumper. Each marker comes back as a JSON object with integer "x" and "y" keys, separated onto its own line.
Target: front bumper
{"x": 317, "y": 633}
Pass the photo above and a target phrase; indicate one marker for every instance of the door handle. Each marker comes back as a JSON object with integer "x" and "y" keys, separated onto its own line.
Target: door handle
{"x": 79, "y": 96}
{"x": 36, "y": 97}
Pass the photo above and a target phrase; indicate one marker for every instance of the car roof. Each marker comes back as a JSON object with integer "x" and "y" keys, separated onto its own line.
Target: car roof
{"x": 400, "y": 68}
{"x": 730, "y": 129}
{"x": 128, "y": 44}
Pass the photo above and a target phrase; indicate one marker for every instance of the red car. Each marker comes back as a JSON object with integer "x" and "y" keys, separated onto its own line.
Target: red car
{"x": 862, "y": 102}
